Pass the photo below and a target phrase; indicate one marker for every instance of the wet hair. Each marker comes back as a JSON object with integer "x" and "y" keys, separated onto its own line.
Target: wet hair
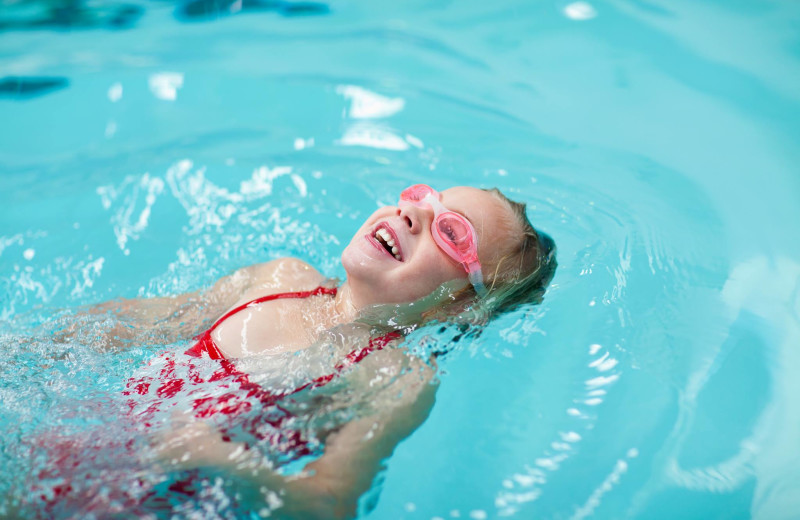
{"x": 518, "y": 277}
{"x": 521, "y": 275}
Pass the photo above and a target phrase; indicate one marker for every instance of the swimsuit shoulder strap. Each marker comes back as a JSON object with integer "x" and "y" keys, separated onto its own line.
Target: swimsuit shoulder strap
{"x": 329, "y": 291}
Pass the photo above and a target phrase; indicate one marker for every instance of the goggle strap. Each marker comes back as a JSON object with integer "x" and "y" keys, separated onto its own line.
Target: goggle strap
{"x": 476, "y": 279}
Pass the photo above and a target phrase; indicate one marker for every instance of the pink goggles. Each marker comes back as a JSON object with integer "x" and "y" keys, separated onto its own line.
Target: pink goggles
{"x": 452, "y": 232}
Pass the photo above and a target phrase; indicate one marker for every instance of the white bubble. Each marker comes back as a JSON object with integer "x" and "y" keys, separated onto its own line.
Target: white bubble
{"x": 547, "y": 463}
{"x": 115, "y": 92}
{"x": 570, "y": 436}
{"x": 300, "y": 143}
{"x": 373, "y": 136}
{"x": 366, "y": 104}
{"x": 414, "y": 141}
{"x": 601, "y": 381}
{"x": 111, "y": 129}
{"x": 300, "y": 184}
{"x": 28, "y": 254}
{"x": 604, "y": 363}
{"x": 165, "y": 85}
{"x": 580, "y": 11}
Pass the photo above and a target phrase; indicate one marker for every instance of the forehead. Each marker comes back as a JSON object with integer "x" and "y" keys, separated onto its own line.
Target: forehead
{"x": 492, "y": 217}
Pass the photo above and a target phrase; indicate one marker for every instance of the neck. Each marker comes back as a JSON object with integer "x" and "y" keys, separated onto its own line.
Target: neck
{"x": 347, "y": 308}
{"x": 344, "y": 309}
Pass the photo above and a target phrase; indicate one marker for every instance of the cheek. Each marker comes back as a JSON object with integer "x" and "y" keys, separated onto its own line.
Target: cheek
{"x": 429, "y": 269}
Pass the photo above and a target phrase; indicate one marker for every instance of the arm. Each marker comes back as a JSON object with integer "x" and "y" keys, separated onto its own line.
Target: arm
{"x": 330, "y": 486}
{"x": 171, "y": 318}
{"x": 355, "y": 454}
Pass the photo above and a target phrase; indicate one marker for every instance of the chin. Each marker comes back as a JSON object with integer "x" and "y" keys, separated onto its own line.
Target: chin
{"x": 358, "y": 266}
{"x": 351, "y": 261}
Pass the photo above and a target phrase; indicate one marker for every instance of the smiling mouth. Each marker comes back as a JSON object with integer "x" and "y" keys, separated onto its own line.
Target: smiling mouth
{"x": 385, "y": 240}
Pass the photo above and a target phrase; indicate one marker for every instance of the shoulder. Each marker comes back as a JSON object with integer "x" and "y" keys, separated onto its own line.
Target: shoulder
{"x": 291, "y": 267}
{"x": 281, "y": 274}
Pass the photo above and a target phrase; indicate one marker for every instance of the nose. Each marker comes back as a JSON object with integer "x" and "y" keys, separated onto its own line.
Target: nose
{"x": 414, "y": 217}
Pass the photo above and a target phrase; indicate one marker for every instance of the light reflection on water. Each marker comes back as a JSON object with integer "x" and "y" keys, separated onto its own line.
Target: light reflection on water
{"x": 653, "y": 142}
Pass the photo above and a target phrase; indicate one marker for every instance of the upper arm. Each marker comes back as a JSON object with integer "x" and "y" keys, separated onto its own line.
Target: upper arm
{"x": 180, "y": 316}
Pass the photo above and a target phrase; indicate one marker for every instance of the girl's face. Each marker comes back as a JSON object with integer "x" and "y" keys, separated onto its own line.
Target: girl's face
{"x": 376, "y": 276}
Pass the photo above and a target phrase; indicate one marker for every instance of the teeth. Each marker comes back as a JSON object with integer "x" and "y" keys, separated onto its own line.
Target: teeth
{"x": 387, "y": 237}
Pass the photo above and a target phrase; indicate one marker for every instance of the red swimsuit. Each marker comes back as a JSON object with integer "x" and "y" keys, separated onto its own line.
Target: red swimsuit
{"x": 242, "y": 393}
{"x": 205, "y": 345}
{"x": 225, "y": 394}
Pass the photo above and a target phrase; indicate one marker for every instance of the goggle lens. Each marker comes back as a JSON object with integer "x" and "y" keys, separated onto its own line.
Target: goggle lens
{"x": 455, "y": 232}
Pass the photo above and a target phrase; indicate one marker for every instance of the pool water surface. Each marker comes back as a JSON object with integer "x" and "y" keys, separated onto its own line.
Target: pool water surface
{"x": 148, "y": 148}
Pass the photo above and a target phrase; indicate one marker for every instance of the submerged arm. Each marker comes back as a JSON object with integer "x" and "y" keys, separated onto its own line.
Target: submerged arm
{"x": 330, "y": 486}
{"x": 356, "y": 453}
{"x": 168, "y": 318}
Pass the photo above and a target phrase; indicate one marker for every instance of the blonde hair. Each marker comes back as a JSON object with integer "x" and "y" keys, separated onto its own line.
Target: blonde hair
{"x": 520, "y": 276}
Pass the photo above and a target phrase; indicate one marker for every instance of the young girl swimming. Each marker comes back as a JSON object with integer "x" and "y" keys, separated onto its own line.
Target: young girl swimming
{"x": 461, "y": 255}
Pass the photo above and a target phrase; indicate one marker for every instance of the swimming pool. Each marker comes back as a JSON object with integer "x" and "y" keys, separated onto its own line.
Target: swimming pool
{"x": 150, "y": 153}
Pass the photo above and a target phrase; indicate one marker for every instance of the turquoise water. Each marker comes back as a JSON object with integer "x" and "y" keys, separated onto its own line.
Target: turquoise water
{"x": 655, "y": 141}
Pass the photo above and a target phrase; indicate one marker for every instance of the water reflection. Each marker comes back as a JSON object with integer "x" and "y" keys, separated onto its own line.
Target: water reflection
{"x": 23, "y": 87}
{"x": 80, "y": 14}
{"x": 212, "y": 9}
{"x": 67, "y": 14}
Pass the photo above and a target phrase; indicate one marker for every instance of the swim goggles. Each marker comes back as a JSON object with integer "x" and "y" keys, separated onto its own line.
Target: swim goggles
{"x": 452, "y": 232}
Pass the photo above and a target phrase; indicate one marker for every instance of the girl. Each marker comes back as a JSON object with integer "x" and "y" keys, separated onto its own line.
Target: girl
{"x": 318, "y": 395}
